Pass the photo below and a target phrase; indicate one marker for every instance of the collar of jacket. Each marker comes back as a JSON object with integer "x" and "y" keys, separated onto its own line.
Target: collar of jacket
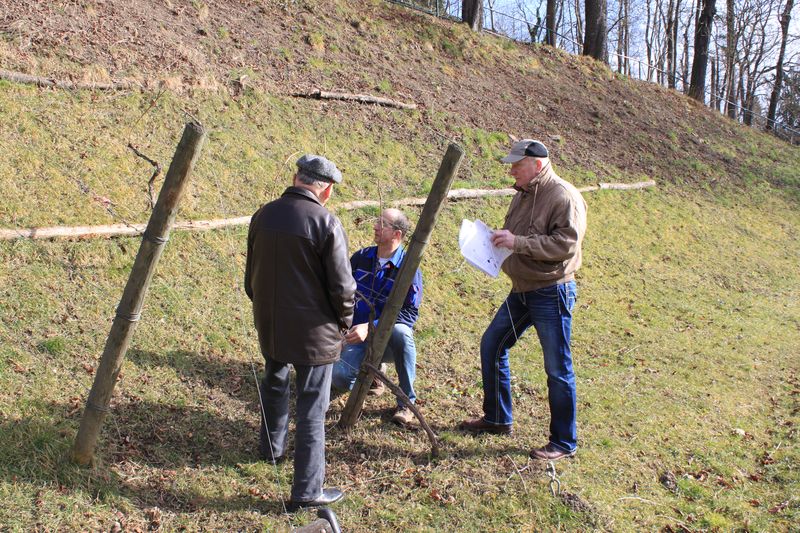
{"x": 541, "y": 177}
{"x": 396, "y": 258}
{"x": 301, "y": 192}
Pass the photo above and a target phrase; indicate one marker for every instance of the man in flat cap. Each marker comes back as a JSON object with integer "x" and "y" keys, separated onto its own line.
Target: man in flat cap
{"x": 299, "y": 279}
{"x": 544, "y": 228}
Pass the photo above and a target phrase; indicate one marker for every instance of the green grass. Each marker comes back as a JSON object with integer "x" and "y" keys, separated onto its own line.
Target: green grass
{"x": 685, "y": 336}
{"x": 674, "y": 349}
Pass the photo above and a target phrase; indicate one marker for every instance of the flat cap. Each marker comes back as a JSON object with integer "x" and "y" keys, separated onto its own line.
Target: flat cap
{"x": 320, "y": 168}
{"x": 526, "y": 148}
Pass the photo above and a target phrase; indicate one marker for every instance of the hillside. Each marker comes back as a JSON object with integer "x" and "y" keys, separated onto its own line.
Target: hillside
{"x": 688, "y": 317}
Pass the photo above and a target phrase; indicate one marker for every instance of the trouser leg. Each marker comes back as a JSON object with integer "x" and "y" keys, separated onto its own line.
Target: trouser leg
{"x": 510, "y": 321}
{"x": 345, "y": 370}
{"x": 313, "y": 396}
{"x": 275, "y": 416}
{"x": 551, "y": 311}
{"x": 403, "y": 350}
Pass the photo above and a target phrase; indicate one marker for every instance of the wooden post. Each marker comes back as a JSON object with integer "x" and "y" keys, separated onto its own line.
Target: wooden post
{"x": 130, "y": 306}
{"x": 419, "y": 240}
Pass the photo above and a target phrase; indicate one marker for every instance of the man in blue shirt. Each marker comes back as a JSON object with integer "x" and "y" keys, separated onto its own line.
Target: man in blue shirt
{"x": 375, "y": 269}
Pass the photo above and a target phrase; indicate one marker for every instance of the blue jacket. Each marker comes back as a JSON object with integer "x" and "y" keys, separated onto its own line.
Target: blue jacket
{"x": 375, "y": 283}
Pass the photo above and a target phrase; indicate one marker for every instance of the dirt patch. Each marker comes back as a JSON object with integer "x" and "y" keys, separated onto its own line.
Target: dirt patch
{"x": 605, "y": 123}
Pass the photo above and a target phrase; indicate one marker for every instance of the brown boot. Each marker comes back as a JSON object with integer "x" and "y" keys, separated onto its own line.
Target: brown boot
{"x": 403, "y": 416}
{"x": 550, "y": 453}
{"x": 376, "y": 388}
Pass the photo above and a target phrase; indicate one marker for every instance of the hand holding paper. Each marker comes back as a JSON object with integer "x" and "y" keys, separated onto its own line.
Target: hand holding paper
{"x": 475, "y": 242}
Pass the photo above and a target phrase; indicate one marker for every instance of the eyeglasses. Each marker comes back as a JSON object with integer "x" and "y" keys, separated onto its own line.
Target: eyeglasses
{"x": 383, "y": 224}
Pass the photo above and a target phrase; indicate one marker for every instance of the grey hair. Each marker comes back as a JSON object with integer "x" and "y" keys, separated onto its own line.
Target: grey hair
{"x": 309, "y": 179}
{"x": 399, "y": 221}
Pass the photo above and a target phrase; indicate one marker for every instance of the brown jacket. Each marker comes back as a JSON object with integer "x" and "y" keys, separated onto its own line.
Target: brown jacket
{"x": 298, "y": 277}
{"x": 548, "y": 218}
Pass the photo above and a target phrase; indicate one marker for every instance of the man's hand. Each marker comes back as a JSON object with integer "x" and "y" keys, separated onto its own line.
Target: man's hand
{"x": 503, "y": 238}
{"x": 357, "y": 334}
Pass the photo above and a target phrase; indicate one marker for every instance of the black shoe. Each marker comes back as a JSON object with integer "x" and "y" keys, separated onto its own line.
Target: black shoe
{"x": 328, "y": 497}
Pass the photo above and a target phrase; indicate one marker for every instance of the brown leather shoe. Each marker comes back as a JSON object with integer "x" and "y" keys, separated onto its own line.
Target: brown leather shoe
{"x": 476, "y": 426}
{"x": 376, "y": 388}
{"x": 550, "y": 453}
{"x": 403, "y": 416}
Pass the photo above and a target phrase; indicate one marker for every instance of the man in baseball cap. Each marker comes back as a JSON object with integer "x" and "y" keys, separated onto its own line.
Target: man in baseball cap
{"x": 544, "y": 229}
{"x": 526, "y": 148}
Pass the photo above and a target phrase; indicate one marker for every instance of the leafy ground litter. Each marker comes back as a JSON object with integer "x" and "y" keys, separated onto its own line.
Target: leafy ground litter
{"x": 687, "y": 324}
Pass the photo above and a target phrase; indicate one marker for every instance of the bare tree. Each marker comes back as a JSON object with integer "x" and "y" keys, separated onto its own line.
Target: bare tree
{"x": 702, "y": 35}
{"x": 685, "y": 63}
{"x": 472, "y": 14}
{"x": 758, "y": 44}
{"x": 490, "y": 3}
{"x": 730, "y": 58}
{"x": 595, "y": 41}
{"x": 550, "y": 21}
{"x": 777, "y": 86}
{"x": 578, "y": 25}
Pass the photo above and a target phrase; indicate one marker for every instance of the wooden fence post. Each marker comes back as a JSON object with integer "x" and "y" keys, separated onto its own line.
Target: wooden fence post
{"x": 130, "y": 306}
{"x": 419, "y": 240}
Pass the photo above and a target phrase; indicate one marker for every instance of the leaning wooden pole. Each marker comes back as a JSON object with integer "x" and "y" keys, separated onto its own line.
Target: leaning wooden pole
{"x": 419, "y": 240}
{"x": 130, "y": 306}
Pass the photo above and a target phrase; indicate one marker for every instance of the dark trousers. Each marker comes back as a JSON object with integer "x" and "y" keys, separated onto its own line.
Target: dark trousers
{"x": 313, "y": 385}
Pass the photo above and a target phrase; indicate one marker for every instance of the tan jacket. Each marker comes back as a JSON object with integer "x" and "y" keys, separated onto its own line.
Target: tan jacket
{"x": 549, "y": 221}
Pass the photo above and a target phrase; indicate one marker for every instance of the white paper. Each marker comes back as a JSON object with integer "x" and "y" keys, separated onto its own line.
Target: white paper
{"x": 475, "y": 241}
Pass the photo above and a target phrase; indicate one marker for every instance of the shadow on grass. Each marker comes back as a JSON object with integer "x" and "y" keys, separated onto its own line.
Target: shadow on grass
{"x": 36, "y": 451}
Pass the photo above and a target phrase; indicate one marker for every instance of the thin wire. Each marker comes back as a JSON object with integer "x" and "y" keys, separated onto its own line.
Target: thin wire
{"x": 242, "y": 313}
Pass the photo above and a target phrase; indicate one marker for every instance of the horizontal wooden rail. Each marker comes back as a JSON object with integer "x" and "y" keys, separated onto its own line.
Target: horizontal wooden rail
{"x": 202, "y": 225}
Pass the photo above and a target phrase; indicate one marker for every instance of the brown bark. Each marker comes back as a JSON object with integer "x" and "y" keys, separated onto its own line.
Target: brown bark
{"x": 702, "y": 36}
{"x": 595, "y": 43}
{"x": 778, "y": 85}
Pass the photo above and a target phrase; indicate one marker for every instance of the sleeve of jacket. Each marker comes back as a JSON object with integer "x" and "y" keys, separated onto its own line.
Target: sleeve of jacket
{"x": 248, "y": 289}
{"x": 339, "y": 275}
{"x": 562, "y": 240}
{"x": 410, "y": 310}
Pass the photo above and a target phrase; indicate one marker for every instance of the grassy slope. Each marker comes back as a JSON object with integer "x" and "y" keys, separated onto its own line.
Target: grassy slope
{"x": 686, "y": 330}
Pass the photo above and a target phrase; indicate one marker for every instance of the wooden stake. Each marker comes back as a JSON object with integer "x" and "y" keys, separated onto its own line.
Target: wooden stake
{"x": 419, "y": 240}
{"x": 130, "y": 306}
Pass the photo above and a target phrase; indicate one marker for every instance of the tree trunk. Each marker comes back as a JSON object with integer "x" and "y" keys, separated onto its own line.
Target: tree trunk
{"x": 550, "y": 21}
{"x": 685, "y": 67}
{"x": 620, "y": 37}
{"x": 578, "y": 25}
{"x": 596, "y": 39}
{"x": 714, "y": 80}
{"x": 472, "y": 14}
{"x": 648, "y": 39}
{"x": 730, "y": 59}
{"x": 627, "y": 37}
{"x": 702, "y": 36}
{"x": 778, "y": 85}
{"x": 671, "y": 34}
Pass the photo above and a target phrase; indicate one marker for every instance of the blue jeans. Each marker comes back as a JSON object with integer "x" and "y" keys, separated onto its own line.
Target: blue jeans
{"x": 401, "y": 349}
{"x": 549, "y": 310}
